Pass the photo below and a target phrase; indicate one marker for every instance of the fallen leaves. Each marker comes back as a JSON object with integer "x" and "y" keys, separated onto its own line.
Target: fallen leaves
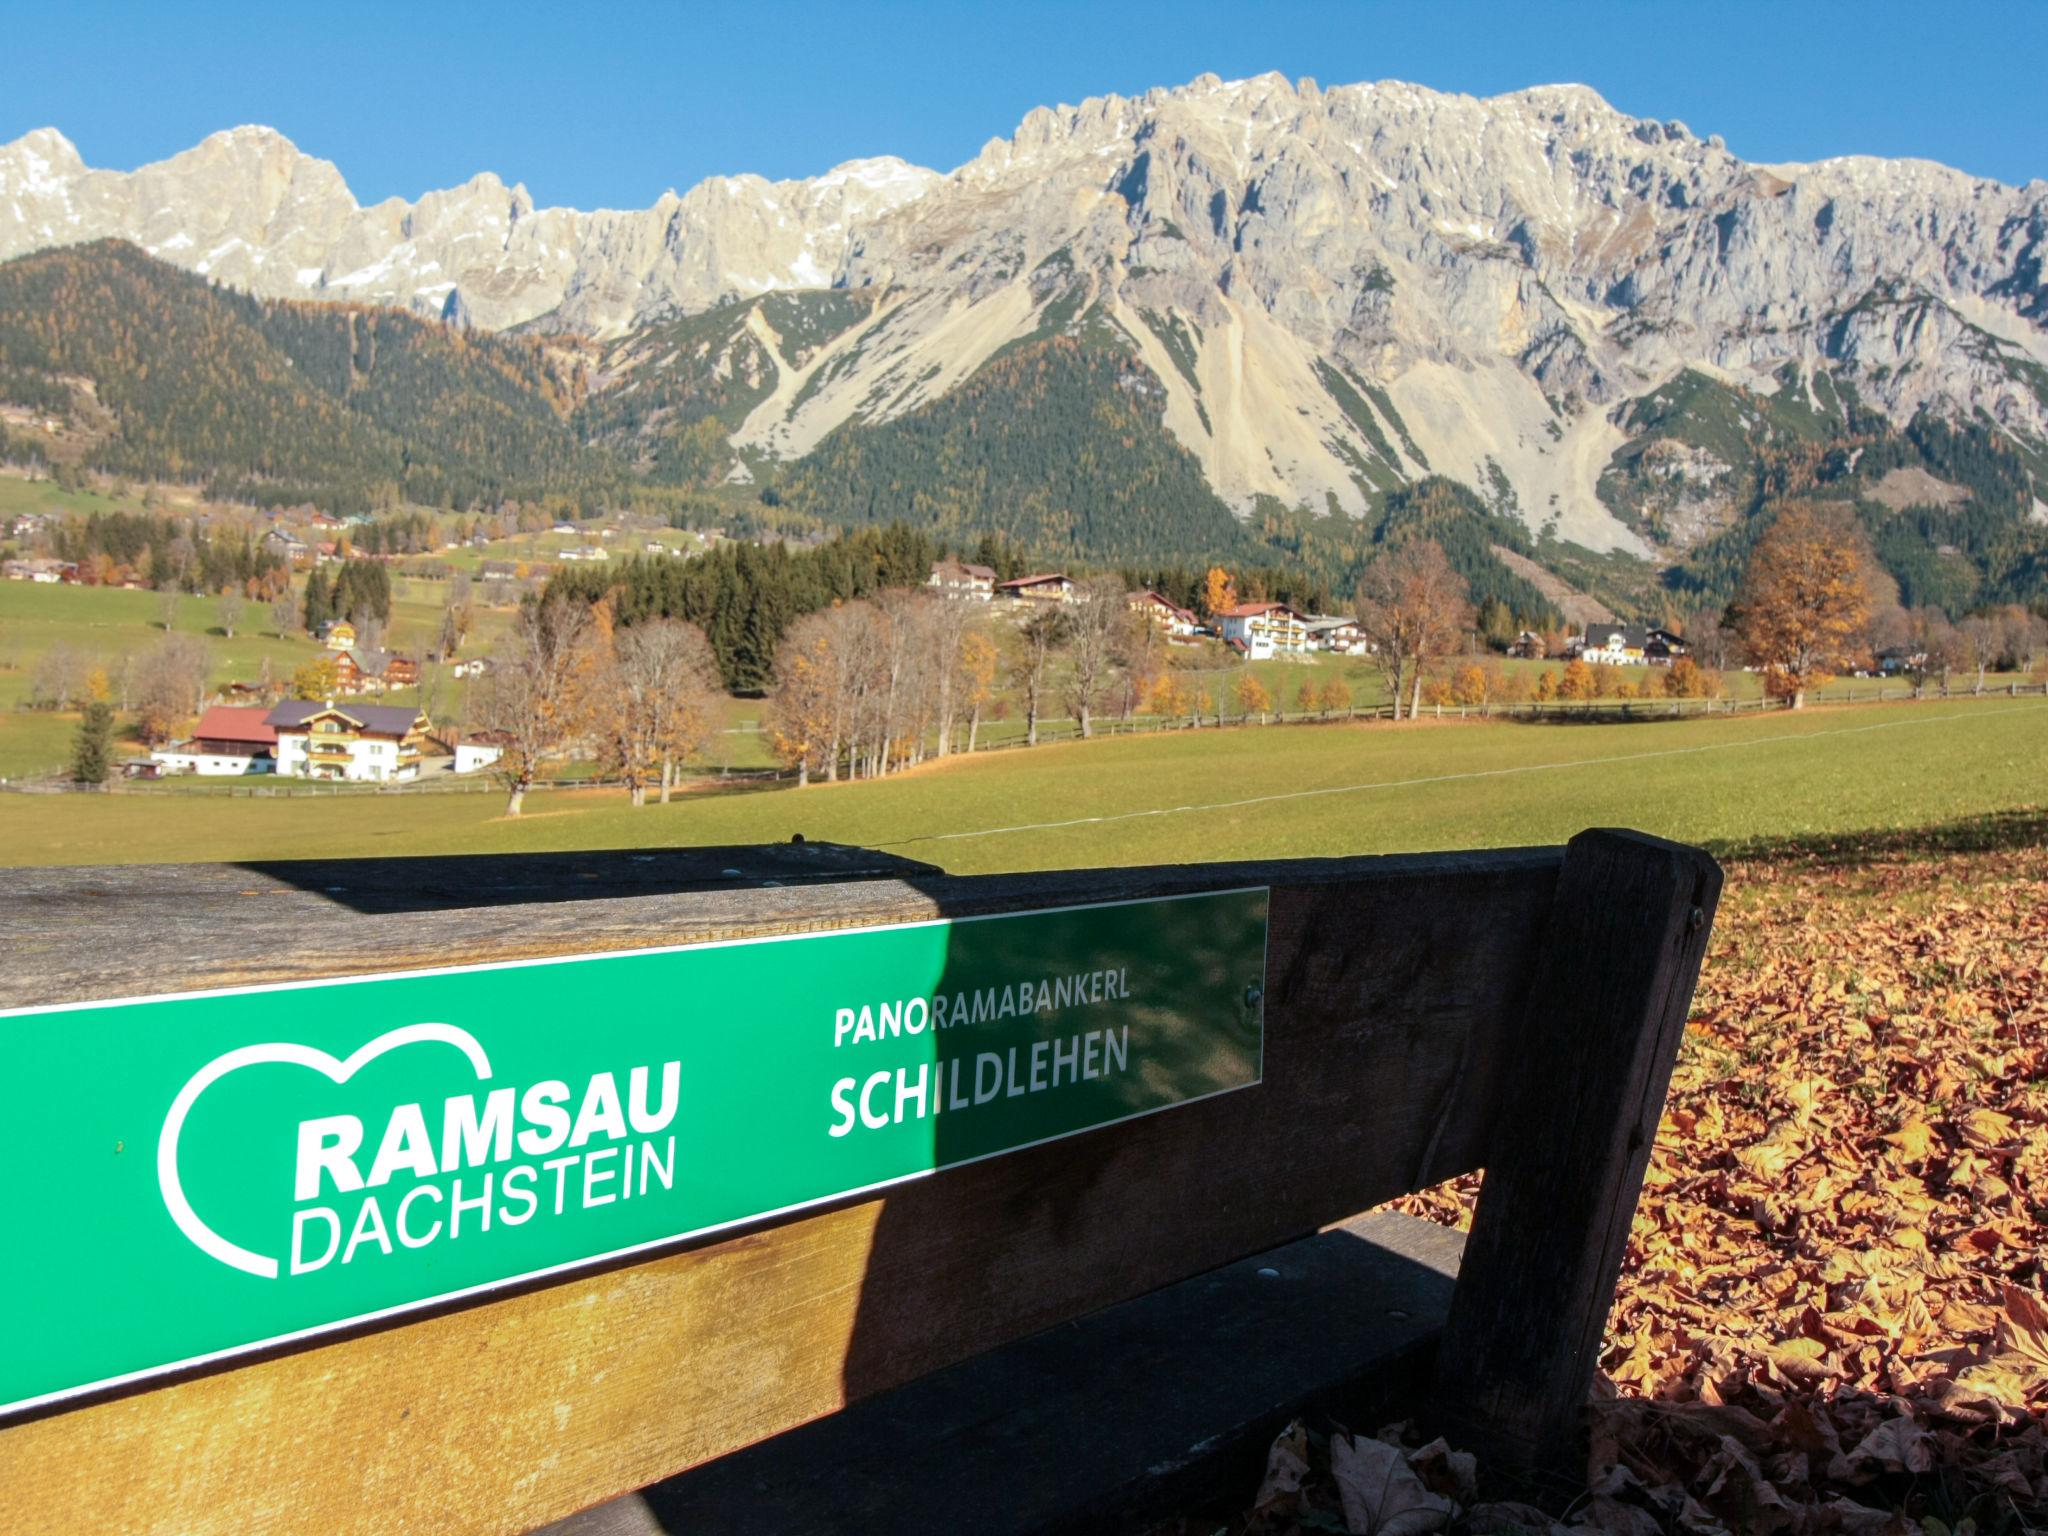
{"x": 1831, "y": 1315}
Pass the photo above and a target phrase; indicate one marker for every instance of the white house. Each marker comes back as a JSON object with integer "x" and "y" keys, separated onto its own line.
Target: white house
{"x": 1164, "y": 614}
{"x": 1630, "y": 645}
{"x": 1260, "y": 630}
{"x": 1339, "y": 636}
{"x": 227, "y": 742}
{"x": 478, "y": 751}
{"x": 357, "y": 742}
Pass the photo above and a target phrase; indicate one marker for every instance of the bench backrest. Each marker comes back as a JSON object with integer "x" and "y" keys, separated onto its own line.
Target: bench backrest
{"x": 1423, "y": 1017}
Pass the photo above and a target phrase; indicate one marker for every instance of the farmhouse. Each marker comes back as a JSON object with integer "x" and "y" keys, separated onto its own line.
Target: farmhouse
{"x": 1259, "y": 630}
{"x": 959, "y": 578}
{"x": 1051, "y": 588}
{"x": 358, "y": 742}
{"x": 229, "y": 740}
{"x": 1630, "y": 645}
{"x": 338, "y": 635}
{"x": 1339, "y": 636}
{"x": 1164, "y": 614}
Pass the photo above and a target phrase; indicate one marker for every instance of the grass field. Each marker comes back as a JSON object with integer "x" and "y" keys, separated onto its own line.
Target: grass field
{"x": 1189, "y": 796}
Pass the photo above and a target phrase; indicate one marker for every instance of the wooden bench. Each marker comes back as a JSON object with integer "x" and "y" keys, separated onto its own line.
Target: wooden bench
{"x": 1173, "y": 1285}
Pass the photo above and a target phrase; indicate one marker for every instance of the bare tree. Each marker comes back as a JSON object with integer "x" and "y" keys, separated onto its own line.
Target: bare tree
{"x": 170, "y": 684}
{"x": 1039, "y": 639}
{"x": 658, "y": 702}
{"x": 284, "y": 613}
{"x": 1411, "y": 606}
{"x": 230, "y": 611}
{"x": 528, "y": 698}
{"x": 1095, "y": 620}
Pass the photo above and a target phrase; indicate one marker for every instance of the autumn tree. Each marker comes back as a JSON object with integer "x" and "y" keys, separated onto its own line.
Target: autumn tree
{"x": 975, "y": 681}
{"x": 1412, "y": 605}
{"x": 1218, "y": 591}
{"x": 654, "y": 702}
{"x": 1576, "y": 682}
{"x": 315, "y": 679}
{"x": 1805, "y": 599}
{"x": 170, "y": 685}
{"x": 284, "y": 613}
{"x": 1305, "y": 697}
{"x": 1251, "y": 695}
{"x": 528, "y": 699}
{"x": 229, "y": 611}
{"x": 1334, "y": 696}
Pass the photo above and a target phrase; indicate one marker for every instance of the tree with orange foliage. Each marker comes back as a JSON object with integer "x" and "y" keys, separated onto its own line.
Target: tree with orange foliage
{"x": 1412, "y": 605}
{"x": 1334, "y": 695}
{"x": 1218, "y": 591}
{"x": 1251, "y": 695}
{"x": 1305, "y": 697}
{"x": 1805, "y": 599}
{"x": 1576, "y": 681}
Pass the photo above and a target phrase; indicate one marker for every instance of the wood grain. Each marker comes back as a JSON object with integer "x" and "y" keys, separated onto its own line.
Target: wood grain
{"x": 1571, "y": 1138}
{"x": 1395, "y": 990}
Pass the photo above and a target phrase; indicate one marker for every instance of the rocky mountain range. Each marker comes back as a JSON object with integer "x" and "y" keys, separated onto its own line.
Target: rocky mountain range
{"x": 1334, "y": 292}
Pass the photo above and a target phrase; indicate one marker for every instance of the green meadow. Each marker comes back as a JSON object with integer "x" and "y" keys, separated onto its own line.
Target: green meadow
{"x": 1186, "y": 796}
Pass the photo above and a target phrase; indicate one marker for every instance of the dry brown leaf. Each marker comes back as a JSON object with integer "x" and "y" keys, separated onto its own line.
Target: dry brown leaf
{"x": 1381, "y": 1493}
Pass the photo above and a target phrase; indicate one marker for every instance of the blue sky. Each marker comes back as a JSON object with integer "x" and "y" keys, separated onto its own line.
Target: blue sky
{"x": 607, "y": 105}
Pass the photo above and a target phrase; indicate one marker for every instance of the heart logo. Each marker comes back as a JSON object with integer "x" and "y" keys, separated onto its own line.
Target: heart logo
{"x": 204, "y": 1237}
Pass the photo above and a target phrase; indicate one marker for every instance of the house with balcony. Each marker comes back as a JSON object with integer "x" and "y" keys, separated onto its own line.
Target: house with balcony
{"x": 1049, "y": 588}
{"x": 963, "y": 579}
{"x": 1339, "y": 636}
{"x": 1259, "y": 630}
{"x": 1164, "y": 615}
{"x": 360, "y": 743}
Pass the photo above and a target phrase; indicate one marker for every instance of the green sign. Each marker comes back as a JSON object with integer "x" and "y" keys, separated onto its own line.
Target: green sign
{"x": 213, "y": 1172}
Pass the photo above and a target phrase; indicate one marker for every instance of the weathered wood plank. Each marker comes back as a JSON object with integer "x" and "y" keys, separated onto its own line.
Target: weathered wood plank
{"x": 1141, "y": 1410}
{"x": 1571, "y": 1139}
{"x": 1389, "y": 1031}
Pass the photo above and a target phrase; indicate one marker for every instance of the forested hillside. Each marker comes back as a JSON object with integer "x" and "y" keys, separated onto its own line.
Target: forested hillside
{"x": 1057, "y": 443}
{"x": 166, "y": 376}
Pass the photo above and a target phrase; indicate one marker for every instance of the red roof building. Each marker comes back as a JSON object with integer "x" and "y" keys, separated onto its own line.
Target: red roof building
{"x": 230, "y": 731}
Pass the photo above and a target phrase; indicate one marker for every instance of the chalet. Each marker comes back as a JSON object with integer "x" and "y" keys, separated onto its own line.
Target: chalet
{"x": 338, "y": 635}
{"x": 1529, "y": 646}
{"x": 587, "y": 552}
{"x": 358, "y": 742}
{"x": 1259, "y": 630}
{"x": 1163, "y": 614}
{"x": 1051, "y": 588}
{"x": 564, "y": 528}
{"x": 1630, "y": 645}
{"x": 45, "y": 572}
{"x": 960, "y": 578}
{"x": 474, "y": 666}
{"x": 498, "y": 570}
{"x": 228, "y": 741}
{"x": 1339, "y": 636}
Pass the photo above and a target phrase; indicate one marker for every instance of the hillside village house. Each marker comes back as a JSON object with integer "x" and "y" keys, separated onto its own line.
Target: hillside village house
{"x": 1176, "y": 622}
{"x": 367, "y": 671}
{"x": 47, "y": 572}
{"x": 1630, "y": 645}
{"x": 229, "y": 740}
{"x": 1339, "y": 636}
{"x": 1051, "y": 588}
{"x": 364, "y": 743}
{"x": 1259, "y": 630}
{"x": 959, "y": 578}
{"x": 338, "y": 635}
